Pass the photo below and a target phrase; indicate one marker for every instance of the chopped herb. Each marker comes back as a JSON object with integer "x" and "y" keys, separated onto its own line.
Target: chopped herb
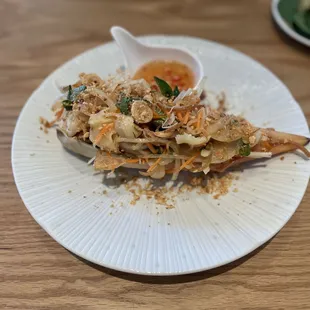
{"x": 123, "y": 105}
{"x": 71, "y": 96}
{"x": 164, "y": 87}
{"x": 158, "y": 122}
{"x": 69, "y": 93}
{"x": 67, "y": 104}
{"x": 176, "y": 91}
{"x": 245, "y": 149}
{"x": 162, "y": 115}
{"x": 75, "y": 92}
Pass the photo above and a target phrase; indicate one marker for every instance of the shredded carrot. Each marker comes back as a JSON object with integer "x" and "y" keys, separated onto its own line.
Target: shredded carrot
{"x": 151, "y": 147}
{"x": 154, "y": 165}
{"x": 189, "y": 161}
{"x": 132, "y": 161}
{"x": 59, "y": 113}
{"x": 199, "y": 119}
{"x": 179, "y": 116}
{"x": 186, "y": 117}
{"x": 58, "y": 116}
{"x": 103, "y": 131}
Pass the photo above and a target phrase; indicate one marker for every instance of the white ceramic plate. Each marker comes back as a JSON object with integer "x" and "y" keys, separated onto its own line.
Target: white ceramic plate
{"x": 198, "y": 234}
{"x": 284, "y": 26}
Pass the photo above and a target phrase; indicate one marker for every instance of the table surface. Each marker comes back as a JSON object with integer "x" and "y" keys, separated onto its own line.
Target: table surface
{"x": 36, "y": 36}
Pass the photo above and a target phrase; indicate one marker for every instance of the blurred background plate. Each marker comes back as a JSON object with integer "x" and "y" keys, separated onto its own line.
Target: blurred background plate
{"x": 65, "y": 196}
{"x": 284, "y": 18}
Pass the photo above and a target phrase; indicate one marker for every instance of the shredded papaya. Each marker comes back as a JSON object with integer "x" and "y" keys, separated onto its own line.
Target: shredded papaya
{"x": 103, "y": 131}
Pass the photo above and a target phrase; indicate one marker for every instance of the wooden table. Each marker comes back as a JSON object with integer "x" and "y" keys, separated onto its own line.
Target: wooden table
{"x": 36, "y": 36}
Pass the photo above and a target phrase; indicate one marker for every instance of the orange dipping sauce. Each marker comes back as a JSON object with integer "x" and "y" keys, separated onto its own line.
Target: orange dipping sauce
{"x": 173, "y": 72}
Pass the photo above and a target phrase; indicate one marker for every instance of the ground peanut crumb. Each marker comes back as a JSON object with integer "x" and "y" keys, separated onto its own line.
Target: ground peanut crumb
{"x": 214, "y": 184}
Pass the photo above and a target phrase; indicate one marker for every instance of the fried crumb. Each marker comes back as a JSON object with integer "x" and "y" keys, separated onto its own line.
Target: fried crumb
{"x": 112, "y": 205}
{"x": 195, "y": 181}
{"x": 295, "y": 162}
{"x": 282, "y": 158}
{"x": 166, "y": 196}
{"x": 104, "y": 192}
{"x": 69, "y": 191}
{"x": 235, "y": 190}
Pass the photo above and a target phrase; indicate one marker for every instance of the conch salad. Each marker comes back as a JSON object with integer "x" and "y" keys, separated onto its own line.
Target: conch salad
{"x": 174, "y": 73}
{"x": 121, "y": 122}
